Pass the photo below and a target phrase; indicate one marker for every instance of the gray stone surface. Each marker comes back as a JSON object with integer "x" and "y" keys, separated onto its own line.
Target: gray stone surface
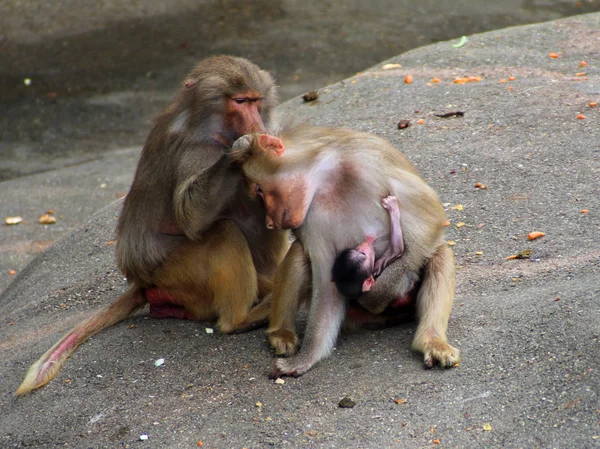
{"x": 528, "y": 329}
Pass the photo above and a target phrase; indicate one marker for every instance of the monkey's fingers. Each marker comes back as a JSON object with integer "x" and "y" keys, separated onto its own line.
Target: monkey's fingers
{"x": 437, "y": 350}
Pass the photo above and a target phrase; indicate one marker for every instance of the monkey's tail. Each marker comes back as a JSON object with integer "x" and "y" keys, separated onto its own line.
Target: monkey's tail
{"x": 46, "y": 368}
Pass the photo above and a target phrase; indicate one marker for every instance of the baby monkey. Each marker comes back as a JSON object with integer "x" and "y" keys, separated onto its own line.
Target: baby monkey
{"x": 355, "y": 269}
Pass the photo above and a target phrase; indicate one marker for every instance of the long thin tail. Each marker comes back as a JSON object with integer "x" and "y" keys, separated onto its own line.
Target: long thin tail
{"x": 46, "y": 368}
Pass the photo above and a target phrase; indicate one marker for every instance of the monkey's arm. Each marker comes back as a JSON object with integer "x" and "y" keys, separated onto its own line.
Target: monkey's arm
{"x": 396, "y": 245}
{"x": 326, "y": 313}
{"x": 202, "y": 196}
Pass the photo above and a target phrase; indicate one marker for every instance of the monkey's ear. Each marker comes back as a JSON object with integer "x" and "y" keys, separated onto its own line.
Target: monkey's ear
{"x": 271, "y": 144}
{"x": 189, "y": 83}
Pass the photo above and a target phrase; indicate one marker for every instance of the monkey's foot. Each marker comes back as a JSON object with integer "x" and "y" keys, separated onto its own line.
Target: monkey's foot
{"x": 288, "y": 367}
{"x": 284, "y": 342}
{"x": 437, "y": 350}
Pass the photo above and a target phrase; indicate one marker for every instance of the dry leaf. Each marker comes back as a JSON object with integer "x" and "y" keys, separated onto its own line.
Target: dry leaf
{"x": 280, "y": 381}
{"x": 259, "y": 404}
{"x": 400, "y": 401}
{"x": 479, "y": 253}
{"x": 451, "y": 243}
{"x": 13, "y": 220}
{"x": 481, "y": 186}
{"x": 47, "y": 219}
{"x": 110, "y": 242}
{"x": 487, "y": 427}
{"x": 457, "y": 207}
{"x": 391, "y": 66}
{"x": 535, "y": 235}
{"x": 460, "y": 224}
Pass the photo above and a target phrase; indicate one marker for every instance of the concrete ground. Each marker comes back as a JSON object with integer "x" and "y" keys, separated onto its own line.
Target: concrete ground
{"x": 529, "y": 329}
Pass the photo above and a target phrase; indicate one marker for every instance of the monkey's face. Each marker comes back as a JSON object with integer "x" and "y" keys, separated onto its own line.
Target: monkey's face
{"x": 285, "y": 205}
{"x": 242, "y": 116}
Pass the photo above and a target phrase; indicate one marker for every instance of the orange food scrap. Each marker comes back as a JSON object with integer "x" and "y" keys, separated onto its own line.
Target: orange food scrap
{"x": 467, "y": 79}
{"x": 553, "y": 55}
{"x": 503, "y": 80}
{"x": 110, "y": 242}
{"x": 447, "y": 223}
{"x": 12, "y": 272}
{"x": 582, "y": 64}
{"x": 481, "y": 186}
{"x": 420, "y": 121}
{"x": 584, "y": 211}
{"x": 580, "y": 74}
{"x": 408, "y": 79}
{"x": 47, "y": 219}
{"x": 68, "y": 381}
{"x": 535, "y": 235}
{"x": 200, "y": 444}
{"x": 436, "y": 441}
{"x": 511, "y": 257}
{"x": 400, "y": 401}
{"x": 511, "y": 78}
{"x": 592, "y": 104}
{"x": 435, "y": 80}
{"x": 580, "y": 117}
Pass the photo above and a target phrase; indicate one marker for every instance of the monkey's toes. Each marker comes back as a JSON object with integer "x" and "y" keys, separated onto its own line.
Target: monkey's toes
{"x": 284, "y": 342}
{"x": 441, "y": 352}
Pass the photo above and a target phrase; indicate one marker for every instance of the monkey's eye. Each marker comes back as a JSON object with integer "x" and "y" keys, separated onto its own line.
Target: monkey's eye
{"x": 240, "y": 100}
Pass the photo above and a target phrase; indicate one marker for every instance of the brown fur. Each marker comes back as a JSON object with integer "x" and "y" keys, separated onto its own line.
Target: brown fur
{"x": 188, "y": 232}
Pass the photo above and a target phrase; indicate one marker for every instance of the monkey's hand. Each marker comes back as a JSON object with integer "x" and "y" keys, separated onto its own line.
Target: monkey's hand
{"x": 437, "y": 350}
{"x": 390, "y": 203}
{"x": 241, "y": 148}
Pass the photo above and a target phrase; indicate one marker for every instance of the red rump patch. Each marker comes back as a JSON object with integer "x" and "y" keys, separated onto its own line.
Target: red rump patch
{"x": 163, "y": 304}
{"x": 271, "y": 143}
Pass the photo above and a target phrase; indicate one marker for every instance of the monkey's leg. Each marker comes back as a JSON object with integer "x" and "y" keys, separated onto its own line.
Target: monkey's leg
{"x": 233, "y": 280}
{"x": 434, "y": 303}
{"x": 325, "y": 317}
{"x": 292, "y": 285}
{"x": 46, "y": 368}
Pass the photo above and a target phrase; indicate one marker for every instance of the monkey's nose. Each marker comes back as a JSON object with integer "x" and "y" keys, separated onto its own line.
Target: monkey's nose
{"x": 269, "y": 223}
